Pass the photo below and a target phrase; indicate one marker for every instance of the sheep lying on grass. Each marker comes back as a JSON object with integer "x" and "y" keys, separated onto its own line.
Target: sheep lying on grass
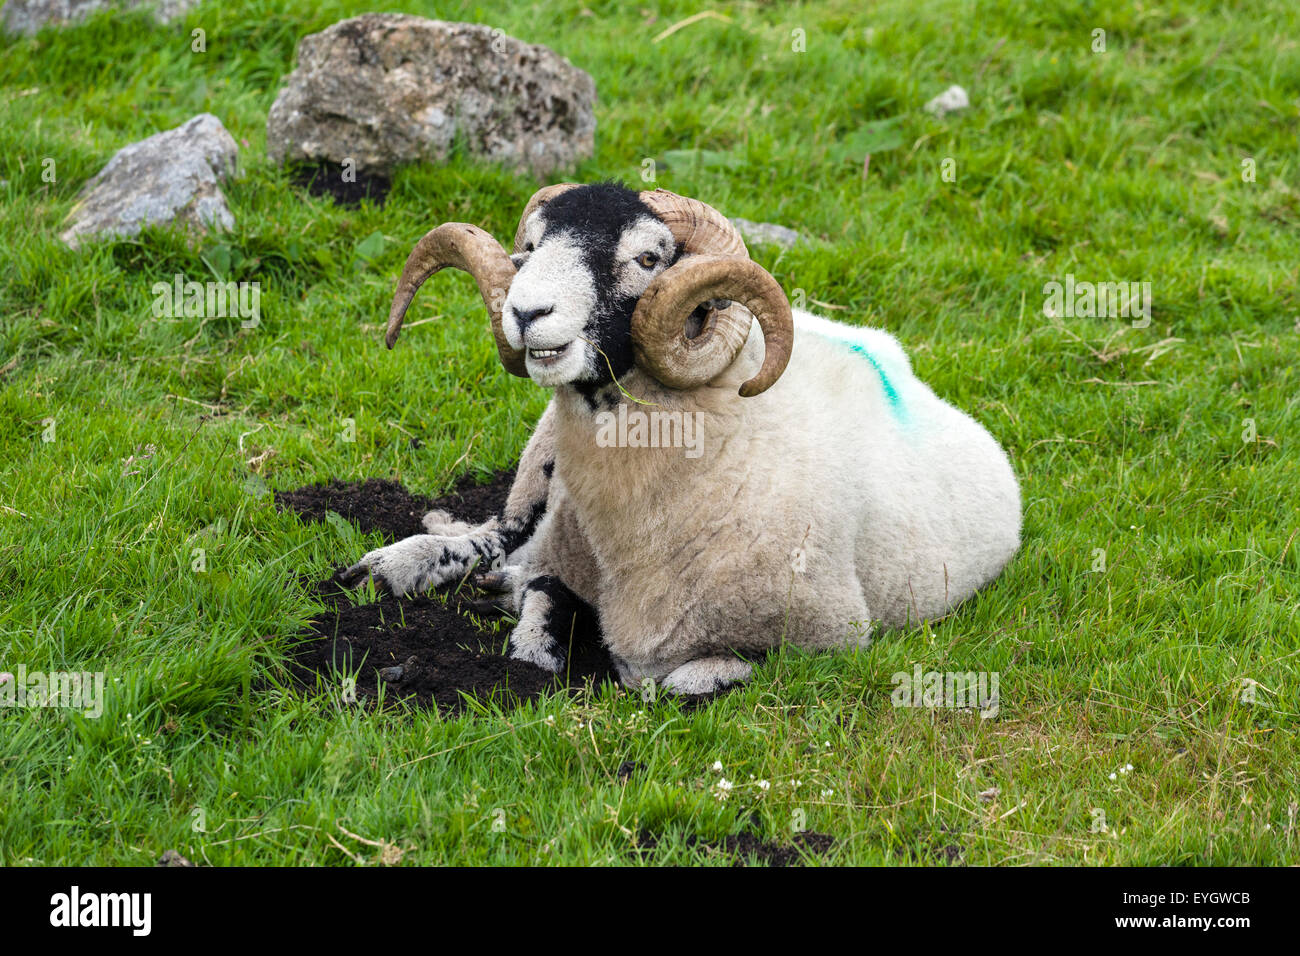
{"x": 823, "y": 486}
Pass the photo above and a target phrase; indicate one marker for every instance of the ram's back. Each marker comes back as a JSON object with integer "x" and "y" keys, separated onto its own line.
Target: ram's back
{"x": 926, "y": 494}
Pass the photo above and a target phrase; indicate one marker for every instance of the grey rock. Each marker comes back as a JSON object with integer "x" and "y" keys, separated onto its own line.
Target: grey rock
{"x": 28, "y": 16}
{"x": 388, "y": 88}
{"x": 171, "y": 858}
{"x": 760, "y": 233}
{"x": 391, "y": 673}
{"x": 170, "y": 177}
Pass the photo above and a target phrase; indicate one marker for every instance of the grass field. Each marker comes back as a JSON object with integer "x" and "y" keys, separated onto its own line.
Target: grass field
{"x": 1149, "y": 620}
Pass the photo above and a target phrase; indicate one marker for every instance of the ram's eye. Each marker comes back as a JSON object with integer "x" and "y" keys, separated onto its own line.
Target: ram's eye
{"x": 647, "y": 260}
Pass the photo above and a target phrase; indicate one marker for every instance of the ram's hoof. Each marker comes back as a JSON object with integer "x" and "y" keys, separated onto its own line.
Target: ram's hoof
{"x": 490, "y": 607}
{"x": 492, "y": 580}
{"x": 354, "y": 576}
{"x": 707, "y": 675}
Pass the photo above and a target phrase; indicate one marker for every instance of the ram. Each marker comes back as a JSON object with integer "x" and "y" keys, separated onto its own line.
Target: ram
{"x": 824, "y": 489}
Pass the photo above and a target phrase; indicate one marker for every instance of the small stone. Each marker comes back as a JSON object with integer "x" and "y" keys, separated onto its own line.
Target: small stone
{"x": 29, "y": 16}
{"x": 761, "y": 233}
{"x": 949, "y": 101}
{"x": 172, "y": 858}
{"x": 169, "y": 178}
{"x": 391, "y": 673}
{"x": 989, "y": 795}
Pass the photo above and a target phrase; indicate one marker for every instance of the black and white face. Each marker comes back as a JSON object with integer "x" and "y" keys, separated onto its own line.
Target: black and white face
{"x": 587, "y": 257}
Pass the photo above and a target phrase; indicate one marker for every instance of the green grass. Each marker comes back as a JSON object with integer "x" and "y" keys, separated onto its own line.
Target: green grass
{"x": 1123, "y": 165}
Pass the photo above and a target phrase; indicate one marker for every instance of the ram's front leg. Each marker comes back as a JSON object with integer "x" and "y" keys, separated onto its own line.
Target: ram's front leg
{"x": 554, "y": 591}
{"x": 706, "y": 674}
{"x": 432, "y": 560}
{"x": 425, "y": 561}
{"x": 550, "y": 616}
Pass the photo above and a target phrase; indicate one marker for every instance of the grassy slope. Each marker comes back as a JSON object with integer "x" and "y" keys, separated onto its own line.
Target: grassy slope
{"x": 1118, "y": 166}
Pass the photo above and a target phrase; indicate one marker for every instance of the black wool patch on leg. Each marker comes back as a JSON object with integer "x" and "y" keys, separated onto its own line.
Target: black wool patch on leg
{"x": 569, "y": 616}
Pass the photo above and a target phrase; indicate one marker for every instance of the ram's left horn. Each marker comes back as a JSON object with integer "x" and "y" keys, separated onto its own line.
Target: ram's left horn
{"x": 697, "y": 226}
{"x": 466, "y": 247}
{"x": 659, "y": 322}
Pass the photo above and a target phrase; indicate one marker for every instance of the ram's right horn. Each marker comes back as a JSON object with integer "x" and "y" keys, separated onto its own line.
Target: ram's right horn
{"x": 460, "y": 246}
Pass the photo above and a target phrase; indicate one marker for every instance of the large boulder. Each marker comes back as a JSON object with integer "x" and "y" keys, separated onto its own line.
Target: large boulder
{"x": 388, "y": 88}
{"x": 28, "y": 16}
{"x": 169, "y": 178}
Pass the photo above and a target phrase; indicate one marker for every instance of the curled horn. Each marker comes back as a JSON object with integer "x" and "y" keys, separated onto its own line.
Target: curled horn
{"x": 540, "y": 199}
{"x": 715, "y": 265}
{"x": 460, "y": 246}
{"x": 659, "y": 328}
{"x": 698, "y": 227}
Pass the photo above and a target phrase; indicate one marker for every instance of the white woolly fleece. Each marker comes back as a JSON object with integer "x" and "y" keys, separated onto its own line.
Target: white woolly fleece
{"x": 847, "y": 494}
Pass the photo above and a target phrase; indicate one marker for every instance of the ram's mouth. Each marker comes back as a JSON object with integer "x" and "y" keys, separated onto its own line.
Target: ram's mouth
{"x": 546, "y": 357}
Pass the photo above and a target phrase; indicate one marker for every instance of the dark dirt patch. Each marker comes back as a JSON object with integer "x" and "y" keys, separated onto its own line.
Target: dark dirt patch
{"x": 326, "y": 179}
{"x": 380, "y": 505}
{"x": 372, "y": 505}
{"x": 936, "y": 848}
{"x": 424, "y": 650}
{"x": 745, "y": 846}
{"x": 430, "y": 654}
{"x": 629, "y": 767}
{"x": 439, "y": 651}
{"x": 476, "y": 503}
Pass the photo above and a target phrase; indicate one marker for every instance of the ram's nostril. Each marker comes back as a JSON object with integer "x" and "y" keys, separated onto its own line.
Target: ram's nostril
{"x": 527, "y": 316}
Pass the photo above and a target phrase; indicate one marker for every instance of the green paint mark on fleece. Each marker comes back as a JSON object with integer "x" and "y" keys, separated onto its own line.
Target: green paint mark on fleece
{"x": 891, "y": 393}
{"x": 854, "y": 344}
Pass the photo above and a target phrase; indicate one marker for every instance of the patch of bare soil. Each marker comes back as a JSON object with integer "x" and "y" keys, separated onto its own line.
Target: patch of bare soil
{"x": 377, "y": 504}
{"x": 428, "y": 650}
{"x": 328, "y": 180}
{"x": 746, "y": 846}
